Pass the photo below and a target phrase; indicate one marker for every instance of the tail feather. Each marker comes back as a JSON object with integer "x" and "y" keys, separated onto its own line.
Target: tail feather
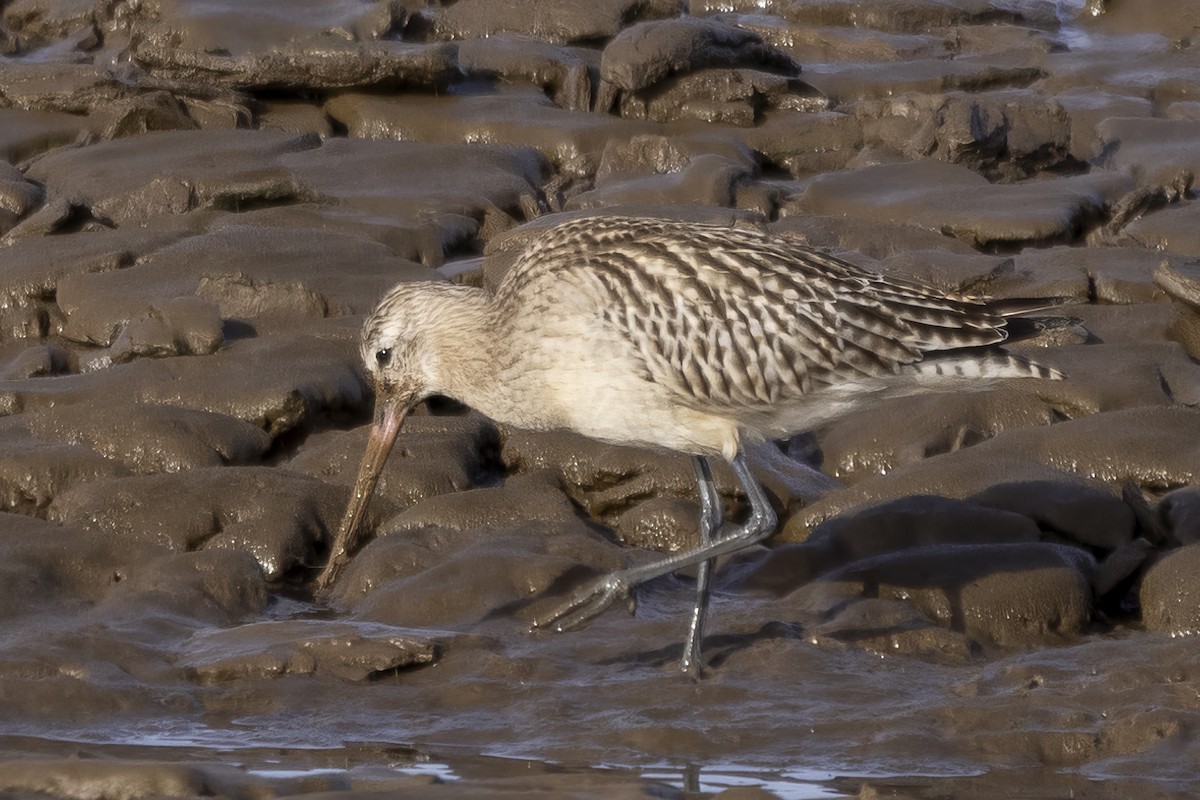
{"x": 992, "y": 364}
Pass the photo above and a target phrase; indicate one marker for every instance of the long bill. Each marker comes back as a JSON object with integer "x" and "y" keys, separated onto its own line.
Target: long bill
{"x": 389, "y": 416}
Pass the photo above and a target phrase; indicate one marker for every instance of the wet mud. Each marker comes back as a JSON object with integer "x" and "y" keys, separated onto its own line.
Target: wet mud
{"x": 970, "y": 594}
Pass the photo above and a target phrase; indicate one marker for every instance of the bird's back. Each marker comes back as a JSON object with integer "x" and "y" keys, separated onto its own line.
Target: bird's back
{"x": 741, "y": 322}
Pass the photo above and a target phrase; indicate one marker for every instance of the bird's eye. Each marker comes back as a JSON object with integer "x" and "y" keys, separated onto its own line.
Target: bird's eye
{"x": 384, "y": 356}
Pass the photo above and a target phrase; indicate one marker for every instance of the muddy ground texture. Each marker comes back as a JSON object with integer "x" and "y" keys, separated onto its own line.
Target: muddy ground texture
{"x": 976, "y": 595}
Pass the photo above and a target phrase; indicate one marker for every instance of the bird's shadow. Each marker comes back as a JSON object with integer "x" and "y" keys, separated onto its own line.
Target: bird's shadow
{"x": 717, "y": 647}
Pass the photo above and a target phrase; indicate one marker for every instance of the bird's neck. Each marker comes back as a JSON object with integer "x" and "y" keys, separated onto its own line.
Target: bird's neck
{"x": 460, "y": 338}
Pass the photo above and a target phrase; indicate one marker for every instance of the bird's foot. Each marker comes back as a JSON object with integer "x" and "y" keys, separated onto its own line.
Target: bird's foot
{"x": 588, "y": 603}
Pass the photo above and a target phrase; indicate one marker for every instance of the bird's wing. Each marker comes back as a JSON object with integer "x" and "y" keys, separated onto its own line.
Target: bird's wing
{"x": 739, "y": 318}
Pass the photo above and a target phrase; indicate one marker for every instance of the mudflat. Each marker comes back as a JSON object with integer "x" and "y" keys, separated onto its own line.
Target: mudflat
{"x": 981, "y": 595}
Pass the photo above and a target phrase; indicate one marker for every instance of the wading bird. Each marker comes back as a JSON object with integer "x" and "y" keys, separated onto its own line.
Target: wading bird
{"x": 680, "y": 336}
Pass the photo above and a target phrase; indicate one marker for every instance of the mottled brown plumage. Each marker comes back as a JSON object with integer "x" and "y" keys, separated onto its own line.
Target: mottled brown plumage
{"x": 735, "y": 316}
{"x": 675, "y": 335}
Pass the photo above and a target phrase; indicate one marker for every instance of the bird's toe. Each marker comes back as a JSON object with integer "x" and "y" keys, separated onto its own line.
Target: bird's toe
{"x": 586, "y": 605}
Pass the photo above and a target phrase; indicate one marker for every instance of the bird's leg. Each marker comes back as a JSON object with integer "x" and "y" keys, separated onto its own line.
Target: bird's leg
{"x": 711, "y": 515}
{"x": 588, "y": 603}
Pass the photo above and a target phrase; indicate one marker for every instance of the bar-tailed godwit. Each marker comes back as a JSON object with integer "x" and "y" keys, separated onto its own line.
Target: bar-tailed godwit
{"x": 680, "y": 336}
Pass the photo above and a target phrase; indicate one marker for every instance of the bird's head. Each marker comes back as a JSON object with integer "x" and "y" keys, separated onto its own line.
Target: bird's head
{"x": 404, "y": 349}
{"x": 391, "y": 349}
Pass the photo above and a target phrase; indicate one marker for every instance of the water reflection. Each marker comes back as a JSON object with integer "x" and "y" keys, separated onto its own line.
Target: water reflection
{"x": 792, "y": 784}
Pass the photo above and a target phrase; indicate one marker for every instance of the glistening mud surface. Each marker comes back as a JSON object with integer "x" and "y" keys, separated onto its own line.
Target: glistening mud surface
{"x": 971, "y": 595}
